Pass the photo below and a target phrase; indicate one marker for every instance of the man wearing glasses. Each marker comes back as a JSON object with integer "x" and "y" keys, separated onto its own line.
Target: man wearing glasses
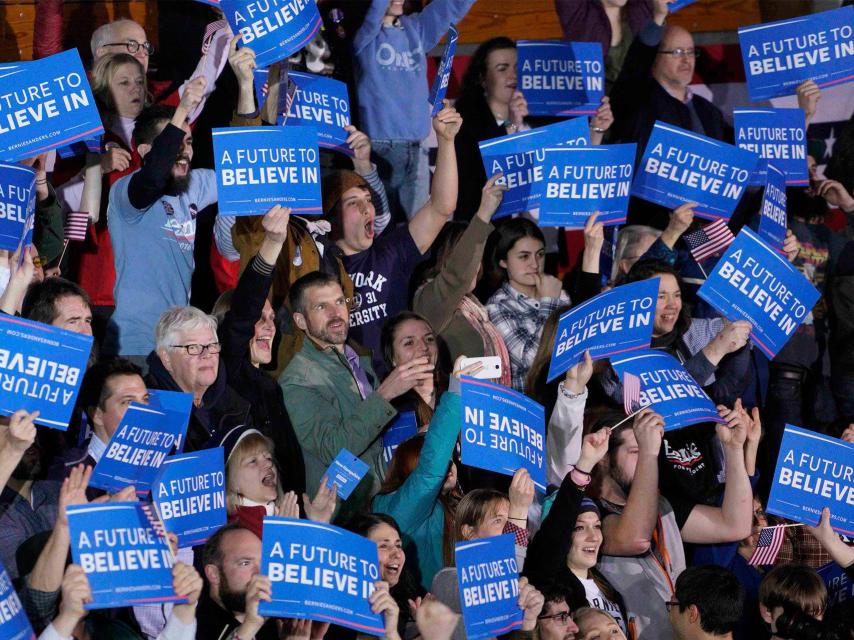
{"x": 653, "y": 85}
{"x": 121, "y": 36}
{"x": 554, "y": 622}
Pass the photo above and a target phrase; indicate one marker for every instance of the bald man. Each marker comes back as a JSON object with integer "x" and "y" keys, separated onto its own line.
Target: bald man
{"x": 653, "y": 85}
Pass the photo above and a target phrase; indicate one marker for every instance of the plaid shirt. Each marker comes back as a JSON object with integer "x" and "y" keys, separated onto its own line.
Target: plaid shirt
{"x": 520, "y": 319}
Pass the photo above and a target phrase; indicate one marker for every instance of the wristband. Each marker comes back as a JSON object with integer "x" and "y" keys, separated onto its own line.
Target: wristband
{"x": 580, "y": 478}
{"x": 568, "y": 394}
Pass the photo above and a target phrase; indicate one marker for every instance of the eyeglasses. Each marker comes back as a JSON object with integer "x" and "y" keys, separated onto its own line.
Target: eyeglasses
{"x": 133, "y": 46}
{"x": 669, "y": 604}
{"x": 681, "y": 53}
{"x": 560, "y": 618}
{"x": 199, "y": 349}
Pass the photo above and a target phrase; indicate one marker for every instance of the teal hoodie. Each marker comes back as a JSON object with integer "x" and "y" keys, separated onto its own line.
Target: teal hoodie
{"x": 415, "y": 505}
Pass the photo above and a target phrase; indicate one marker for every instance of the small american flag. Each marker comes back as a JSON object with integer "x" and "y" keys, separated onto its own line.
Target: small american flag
{"x": 631, "y": 393}
{"x": 76, "y": 225}
{"x": 210, "y": 31}
{"x": 709, "y": 240}
{"x": 769, "y": 545}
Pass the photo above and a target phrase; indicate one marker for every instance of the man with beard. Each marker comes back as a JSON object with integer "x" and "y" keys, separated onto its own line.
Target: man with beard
{"x": 152, "y": 222}
{"x": 232, "y": 565}
{"x": 642, "y": 552}
{"x": 332, "y": 393}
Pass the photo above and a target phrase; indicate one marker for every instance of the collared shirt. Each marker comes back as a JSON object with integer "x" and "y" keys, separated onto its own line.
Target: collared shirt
{"x": 25, "y": 518}
{"x": 520, "y": 319}
{"x": 96, "y": 447}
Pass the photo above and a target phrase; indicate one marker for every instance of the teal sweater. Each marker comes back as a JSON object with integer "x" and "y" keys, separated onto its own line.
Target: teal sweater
{"x": 415, "y": 505}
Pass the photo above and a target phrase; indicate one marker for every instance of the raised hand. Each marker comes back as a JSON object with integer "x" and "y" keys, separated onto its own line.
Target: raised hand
{"x": 289, "y": 506}
{"x": 275, "y": 223}
{"x": 114, "y": 158}
{"x": 242, "y": 61}
{"x": 21, "y": 431}
{"x": 548, "y": 286}
{"x": 518, "y": 109}
{"x": 491, "y": 197}
{"x": 649, "y": 431}
{"x": 531, "y": 602}
{"x": 404, "y": 377}
{"x": 447, "y": 123}
{"x": 325, "y": 500}
{"x": 578, "y": 376}
{"x": 808, "y": 96}
{"x": 594, "y": 446}
{"x": 521, "y": 494}
{"x": 360, "y": 145}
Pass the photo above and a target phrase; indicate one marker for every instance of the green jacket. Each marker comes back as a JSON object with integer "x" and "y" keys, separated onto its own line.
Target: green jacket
{"x": 328, "y": 415}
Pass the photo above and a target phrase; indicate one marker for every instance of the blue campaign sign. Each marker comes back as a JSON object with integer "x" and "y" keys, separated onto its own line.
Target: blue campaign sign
{"x": 679, "y": 166}
{"x": 320, "y": 572}
{"x": 814, "y": 471}
{"x": 502, "y": 430}
{"x": 46, "y": 104}
{"x": 561, "y": 78}
{"x": 323, "y": 103}
{"x": 778, "y": 56}
{"x": 778, "y": 136}
{"x": 668, "y": 388}
{"x": 258, "y": 167}
{"x": 42, "y": 368}
{"x": 177, "y": 407}
{"x": 346, "y": 471}
{"x": 614, "y": 322}
{"x": 753, "y": 282}
{"x": 581, "y": 180}
{"x": 488, "y": 577}
{"x": 520, "y": 158}
{"x": 402, "y": 429}
{"x": 121, "y": 553}
{"x": 17, "y": 203}
{"x": 840, "y": 588}
{"x": 274, "y": 29}
{"x": 679, "y": 4}
{"x": 189, "y": 493}
{"x": 772, "y": 213}
{"x": 136, "y": 451}
{"x": 14, "y": 624}
{"x": 443, "y": 75}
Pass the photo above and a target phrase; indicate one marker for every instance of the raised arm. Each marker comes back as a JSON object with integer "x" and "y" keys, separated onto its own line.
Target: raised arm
{"x": 238, "y": 326}
{"x": 430, "y": 218}
{"x": 547, "y": 551}
{"x": 630, "y": 533}
{"x": 435, "y": 19}
{"x": 733, "y": 520}
{"x": 149, "y": 183}
{"x": 412, "y": 502}
{"x": 438, "y": 299}
{"x": 371, "y": 25}
{"x": 563, "y": 437}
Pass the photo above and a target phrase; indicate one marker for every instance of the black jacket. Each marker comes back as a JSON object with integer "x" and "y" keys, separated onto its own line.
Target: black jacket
{"x": 222, "y": 408}
{"x": 264, "y": 394}
{"x": 545, "y": 562}
{"x": 638, "y": 100}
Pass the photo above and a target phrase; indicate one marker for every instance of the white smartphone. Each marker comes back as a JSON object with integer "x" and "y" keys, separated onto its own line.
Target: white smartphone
{"x": 491, "y": 367}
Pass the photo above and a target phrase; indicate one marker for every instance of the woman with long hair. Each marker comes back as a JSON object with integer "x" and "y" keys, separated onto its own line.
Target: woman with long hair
{"x": 403, "y": 338}
{"x": 526, "y": 297}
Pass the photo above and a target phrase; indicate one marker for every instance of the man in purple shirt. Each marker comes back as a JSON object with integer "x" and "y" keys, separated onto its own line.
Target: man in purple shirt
{"x": 381, "y": 269}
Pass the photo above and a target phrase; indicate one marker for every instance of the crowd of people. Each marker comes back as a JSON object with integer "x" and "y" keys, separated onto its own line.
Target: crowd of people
{"x": 327, "y": 329}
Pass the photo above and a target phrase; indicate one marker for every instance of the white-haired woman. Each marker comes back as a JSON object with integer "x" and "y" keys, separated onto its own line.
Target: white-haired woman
{"x": 186, "y": 358}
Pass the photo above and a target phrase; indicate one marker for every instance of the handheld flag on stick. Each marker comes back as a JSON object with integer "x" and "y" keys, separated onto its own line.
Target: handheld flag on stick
{"x": 711, "y": 239}
{"x": 768, "y": 547}
{"x": 631, "y": 393}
